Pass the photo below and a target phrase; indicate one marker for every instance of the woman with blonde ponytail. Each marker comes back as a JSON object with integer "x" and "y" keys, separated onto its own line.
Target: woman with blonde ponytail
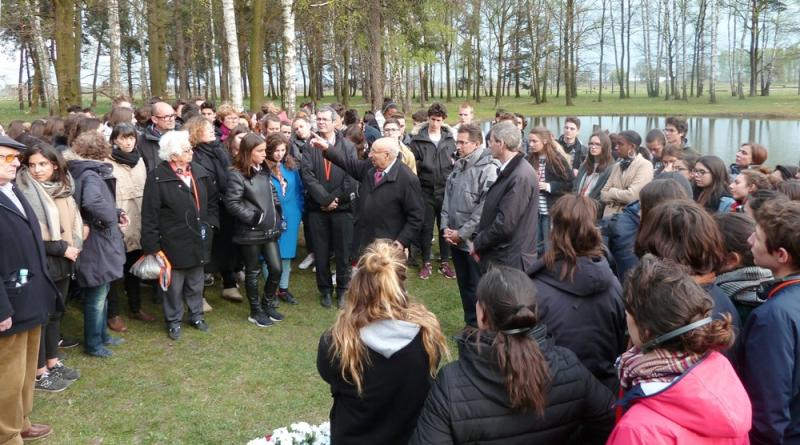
{"x": 380, "y": 355}
{"x": 511, "y": 384}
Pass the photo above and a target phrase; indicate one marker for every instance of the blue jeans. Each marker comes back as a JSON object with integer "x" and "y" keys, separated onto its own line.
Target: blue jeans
{"x": 95, "y": 311}
{"x": 542, "y": 234}
{"x": 286, "y": 271}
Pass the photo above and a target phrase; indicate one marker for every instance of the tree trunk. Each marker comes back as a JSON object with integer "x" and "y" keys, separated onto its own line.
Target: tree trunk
{"x": 115, "y": 56}
{"x": 140, "y": 38}
{"x": 602, "y": 50}
{"x": 67, "y": 66}
{"x": 755, "y": 11}
{"x": 375, "y": 35}
{"x": 568, "y": 69}
{"x": 40, "y": 56}
{"x": 229, "y": 24}
{"x": 256, "y": 64}
{"x": 712, "y": 81}
{"x": 180, "y": 58}
{"x": 20, "y": 85}
{"x": 212, "y": 80}
{"x": 157, "y": 51}
{"x": 96, "y": 66}
{"x": 289, "y": 63}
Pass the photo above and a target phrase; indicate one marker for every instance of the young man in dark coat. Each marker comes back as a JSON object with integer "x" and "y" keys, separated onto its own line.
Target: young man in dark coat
{"x": 434, "y": 149}
{"x": 390, "y": 203}
{"x": 506, "y": 233}
{"x": 769, "y": 358}
{"x": 27, "y": 296}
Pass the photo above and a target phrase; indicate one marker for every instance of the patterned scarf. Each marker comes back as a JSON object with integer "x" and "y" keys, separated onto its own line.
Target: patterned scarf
{"x": 659, "y": 365}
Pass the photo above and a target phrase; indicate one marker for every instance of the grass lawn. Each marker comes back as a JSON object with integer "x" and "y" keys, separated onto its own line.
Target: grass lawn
{"x": 782, "y": 103}
{"x": 227, "y": 386}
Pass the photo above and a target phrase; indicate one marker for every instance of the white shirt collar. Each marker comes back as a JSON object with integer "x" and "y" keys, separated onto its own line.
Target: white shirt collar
{"x": 503, "y": 166}
{"x": 389, "y": 167}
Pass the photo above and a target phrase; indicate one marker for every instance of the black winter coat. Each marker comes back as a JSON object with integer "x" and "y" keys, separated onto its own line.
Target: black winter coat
{"x": 393, "y": 209}
{"x": 254, "y": 204}
{"x": 577, "y": 150}
{"x": 585, "y": 315}
{"x": 434, "y": 163}
{"x": 321, "y": 191}
{"x": 214, "y": 158}
{"x": 469, "y": 402}
{"x": 21, "y": 247}
{"x": 394, "y": 390}
{"x": 147, "y": 145}
{"x": 102, "y": 258}
{"x": 171, "y": 220}
{"x": 559, "y": 184}
{"x": 506, "y": 233}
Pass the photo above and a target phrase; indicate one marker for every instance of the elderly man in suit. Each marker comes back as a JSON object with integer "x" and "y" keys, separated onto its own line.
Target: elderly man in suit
{"x": 27, "y": 296}
{"x": 390, "y": 201}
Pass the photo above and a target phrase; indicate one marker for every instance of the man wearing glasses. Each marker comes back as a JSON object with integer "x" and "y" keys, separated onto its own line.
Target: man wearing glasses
{"x": 393, "y": 129}
{"x": 26, "y": 298}
{"x": 162, "y": 120}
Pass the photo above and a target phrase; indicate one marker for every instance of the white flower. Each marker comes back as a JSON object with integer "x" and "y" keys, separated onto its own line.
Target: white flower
{"x": 298, "y": 433}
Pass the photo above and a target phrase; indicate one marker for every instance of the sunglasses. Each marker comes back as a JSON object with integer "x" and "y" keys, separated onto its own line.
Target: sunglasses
{"x": 9, "y": 158}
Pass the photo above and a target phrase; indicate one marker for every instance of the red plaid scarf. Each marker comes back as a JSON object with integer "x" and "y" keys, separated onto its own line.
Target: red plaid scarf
{"x": 659, "y": 365}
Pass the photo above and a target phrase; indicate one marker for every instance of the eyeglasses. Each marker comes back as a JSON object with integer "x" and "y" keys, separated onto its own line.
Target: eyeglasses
{"x": 9, "y": 158}
{"x": 168, "y": 117}
{"x": 699, "y": 172}
{"x": 463, "y": 142}
{"x": 594, "y": 144}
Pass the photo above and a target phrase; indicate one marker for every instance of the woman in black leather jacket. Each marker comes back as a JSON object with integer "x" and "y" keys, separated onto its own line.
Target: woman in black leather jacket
{"x": 254, "y": 205}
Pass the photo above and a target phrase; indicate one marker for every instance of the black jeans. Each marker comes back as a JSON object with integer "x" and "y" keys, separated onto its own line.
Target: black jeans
{"x": 132, "y": 288}
{"x": 468, "y": 274}
{"x": 252, "y": 267}
{"x": 332, "y": 230}
{"x": 51, "y": 332}
{"x": 433, "y": 213}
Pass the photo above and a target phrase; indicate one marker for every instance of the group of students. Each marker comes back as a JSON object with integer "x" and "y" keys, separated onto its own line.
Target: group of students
{"x": 655, "y": 274}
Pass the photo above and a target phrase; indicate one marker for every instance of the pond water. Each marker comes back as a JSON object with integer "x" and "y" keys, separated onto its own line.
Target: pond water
{"x": 720, "y": 136}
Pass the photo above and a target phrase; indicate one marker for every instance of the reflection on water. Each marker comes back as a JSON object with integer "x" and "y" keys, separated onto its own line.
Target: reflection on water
{"x": 719, "y": 136}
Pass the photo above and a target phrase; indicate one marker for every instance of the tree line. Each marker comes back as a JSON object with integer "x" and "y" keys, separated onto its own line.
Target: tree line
{"x": 411, "y": 50}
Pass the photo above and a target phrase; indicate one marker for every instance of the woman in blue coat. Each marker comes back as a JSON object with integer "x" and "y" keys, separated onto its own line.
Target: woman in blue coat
{"x": 285, "y": 175}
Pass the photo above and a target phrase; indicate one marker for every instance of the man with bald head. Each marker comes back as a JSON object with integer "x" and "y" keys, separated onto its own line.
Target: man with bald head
{"x": 390, "y": 196}
{"x": 162, "y": 120}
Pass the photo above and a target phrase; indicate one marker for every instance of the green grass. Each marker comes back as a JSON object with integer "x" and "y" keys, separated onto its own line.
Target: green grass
{"x": 227, "y": 386}
{"x": 782, "y": 103}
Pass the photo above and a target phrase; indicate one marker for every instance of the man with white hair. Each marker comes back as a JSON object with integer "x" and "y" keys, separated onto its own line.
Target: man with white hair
{"x": 162, "y": 121}
{"x": 390, "y": 197}
{"x": 506, "y": 233}
{"x": 179, "y": 215}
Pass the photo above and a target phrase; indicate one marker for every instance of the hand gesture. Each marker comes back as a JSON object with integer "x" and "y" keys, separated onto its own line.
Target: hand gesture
{"x": 319, "y": 142}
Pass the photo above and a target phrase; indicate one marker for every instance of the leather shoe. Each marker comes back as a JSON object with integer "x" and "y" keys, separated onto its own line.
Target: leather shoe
{"x": 326, "y": 300}
{"x": 116, "y": 324}
{"x": 35, "y": 432}
{"x": 141, "y": 315}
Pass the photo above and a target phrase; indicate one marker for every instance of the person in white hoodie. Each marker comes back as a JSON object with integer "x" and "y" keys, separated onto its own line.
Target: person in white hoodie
{"x": 381, "y": 354}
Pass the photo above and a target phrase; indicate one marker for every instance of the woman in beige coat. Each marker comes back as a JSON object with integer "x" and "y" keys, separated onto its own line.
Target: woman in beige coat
{"x": 130, "y": 173}
{"x": 630, "y": 174}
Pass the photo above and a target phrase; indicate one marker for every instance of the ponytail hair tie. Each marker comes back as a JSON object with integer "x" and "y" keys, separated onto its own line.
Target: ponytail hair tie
{"x": 516, "y": 331}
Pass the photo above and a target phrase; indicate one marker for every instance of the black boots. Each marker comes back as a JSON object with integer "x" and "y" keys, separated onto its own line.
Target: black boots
{"x": 269, "y": 305}
{"x": 326, "y": 300}
{"x": 257, "y": 315}
{"x": 286, "y": 296}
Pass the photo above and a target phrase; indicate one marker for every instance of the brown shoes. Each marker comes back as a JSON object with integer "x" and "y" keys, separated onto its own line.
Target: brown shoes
{"x": 116, "y": 324}
{"x": 141, "y": 315}
{"x": 35, "y": 432}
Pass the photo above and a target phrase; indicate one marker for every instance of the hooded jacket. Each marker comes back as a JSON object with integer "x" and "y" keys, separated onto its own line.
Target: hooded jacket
{"x": 469, "y": 402}
{"x": 103, "y": 255}
{"x": 395, "y": 383}
{"x": 707, "y": 405}
{"x": 585, "y": 314}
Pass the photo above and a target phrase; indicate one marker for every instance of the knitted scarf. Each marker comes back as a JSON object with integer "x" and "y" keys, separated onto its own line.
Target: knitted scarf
{"x": 125, "y": 158}
{"x": 42, "y": 197}
{"x": 660, "y": 365}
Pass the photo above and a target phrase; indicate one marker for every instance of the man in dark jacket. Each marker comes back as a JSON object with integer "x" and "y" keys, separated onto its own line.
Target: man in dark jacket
{"x": 27, "y": 296}
{"x": 434, "y": 149}
{"x": 571, "y": 144}
{"x": 506, "y": 233}
{"x": 330, "y": 195}
{"x": 769, "y": 358}
{"x": 390, "y": 204}
{"x": 162, "y": 120}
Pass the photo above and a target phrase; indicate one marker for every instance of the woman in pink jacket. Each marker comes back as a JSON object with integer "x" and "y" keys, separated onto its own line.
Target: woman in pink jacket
{"x": 678, "y": 388}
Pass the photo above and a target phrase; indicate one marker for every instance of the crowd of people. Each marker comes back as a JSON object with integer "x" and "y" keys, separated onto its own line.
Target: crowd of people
{"x": 622, "y": 291}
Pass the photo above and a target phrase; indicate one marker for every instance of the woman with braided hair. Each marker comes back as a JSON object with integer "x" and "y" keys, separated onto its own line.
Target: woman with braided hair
{"x": 511, "y": 384}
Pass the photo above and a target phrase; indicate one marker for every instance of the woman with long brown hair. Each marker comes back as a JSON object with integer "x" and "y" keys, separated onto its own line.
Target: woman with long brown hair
{"x": 594, "y": 172}
{"x": 555, "y": 178}
{"x": 511, "y": 384}
{"x": 254, "y": 204}
{"x": 381, "y": 353}
{"x": 580, "y": 299}
{"x": 678, "y": 387}
{"x": 711, "y": 184}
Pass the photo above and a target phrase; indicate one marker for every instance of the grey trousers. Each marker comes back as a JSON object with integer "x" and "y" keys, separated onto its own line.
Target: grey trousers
{"x": 187, "y": 284}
